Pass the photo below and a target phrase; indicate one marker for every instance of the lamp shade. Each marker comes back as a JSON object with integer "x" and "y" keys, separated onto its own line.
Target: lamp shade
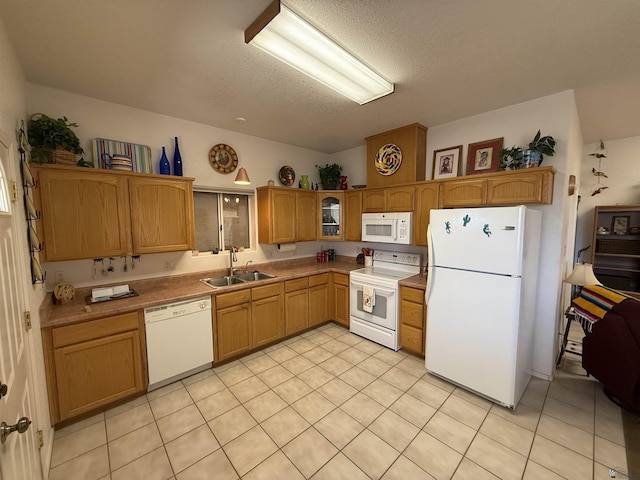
{"x": 288, "y": 37}
{"x": 582, "y": 275}
{"x": 242, "y": 178}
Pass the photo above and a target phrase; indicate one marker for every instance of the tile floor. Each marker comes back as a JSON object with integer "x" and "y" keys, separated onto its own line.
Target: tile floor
{"x": 330, "y": 405}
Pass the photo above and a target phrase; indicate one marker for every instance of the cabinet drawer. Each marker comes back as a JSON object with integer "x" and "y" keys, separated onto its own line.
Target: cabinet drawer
{"x": 81, "y": 332}
{"x": 233, "y": 298}
{"x": 297, "y": 284}
{"x": 266, "y": 291}
{"x": 411, "y": 313}
{"x": 412, "y": 339}
{"x": 341, "y": 279}
{"x": 412, "y": 294}
{"x": 318, "y": 279}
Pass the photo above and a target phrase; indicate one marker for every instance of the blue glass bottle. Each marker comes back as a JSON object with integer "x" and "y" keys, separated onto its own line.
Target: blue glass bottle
{"x": 165, "y": 168}
{"x": 177, "y": 160}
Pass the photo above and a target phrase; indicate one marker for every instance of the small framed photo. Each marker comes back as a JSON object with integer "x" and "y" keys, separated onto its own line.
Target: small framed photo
{"x": 446, "y": 162}
{"x": 482, "y": 157}
{"x": 620, "y": 224}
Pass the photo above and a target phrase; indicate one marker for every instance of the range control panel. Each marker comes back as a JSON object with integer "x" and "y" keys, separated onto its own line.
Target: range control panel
{"x": 413, "y": 259}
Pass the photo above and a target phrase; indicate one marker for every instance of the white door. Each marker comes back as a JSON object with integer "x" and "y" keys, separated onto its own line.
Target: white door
{"x": 18, "y": 454}
{"x": 479, "y": 239}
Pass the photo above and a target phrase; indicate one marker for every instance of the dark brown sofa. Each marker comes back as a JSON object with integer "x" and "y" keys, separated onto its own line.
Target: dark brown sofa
{"x": 611, "y": 353}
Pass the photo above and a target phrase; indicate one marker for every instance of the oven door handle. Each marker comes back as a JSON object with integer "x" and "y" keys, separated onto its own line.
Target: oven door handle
{"x": 377, "y": 289}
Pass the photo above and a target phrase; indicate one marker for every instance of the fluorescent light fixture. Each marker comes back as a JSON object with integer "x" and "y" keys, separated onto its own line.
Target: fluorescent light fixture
{"x": 288, "y": 37}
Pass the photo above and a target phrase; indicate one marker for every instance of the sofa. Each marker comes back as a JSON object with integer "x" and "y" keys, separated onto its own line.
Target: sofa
{"x": 611, "y": 347}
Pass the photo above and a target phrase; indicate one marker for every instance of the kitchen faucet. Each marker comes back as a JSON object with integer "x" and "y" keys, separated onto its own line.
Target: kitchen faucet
{"x": 246, "y": 266}
{"x": 232, "y": 258}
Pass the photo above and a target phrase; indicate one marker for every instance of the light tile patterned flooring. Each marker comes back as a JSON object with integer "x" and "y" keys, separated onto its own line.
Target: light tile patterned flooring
{"x": 330, "y": 405}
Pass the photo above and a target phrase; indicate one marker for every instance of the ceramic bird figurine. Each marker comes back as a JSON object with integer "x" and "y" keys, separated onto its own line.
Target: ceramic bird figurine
{"x": 599, "y": 190}
{"x": 598, "y": 174}
{"x": 601, "y": 153}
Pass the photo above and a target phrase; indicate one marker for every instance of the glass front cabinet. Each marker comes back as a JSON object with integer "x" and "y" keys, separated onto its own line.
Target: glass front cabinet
{"x": 330, "y": 207}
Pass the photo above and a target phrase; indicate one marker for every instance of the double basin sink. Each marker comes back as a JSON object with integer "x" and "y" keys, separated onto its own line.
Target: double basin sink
{"x": 236, "y": 279}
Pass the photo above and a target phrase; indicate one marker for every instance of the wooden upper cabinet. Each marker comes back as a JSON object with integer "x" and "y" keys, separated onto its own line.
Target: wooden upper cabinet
{"x": 163, "y": 212}
{"x": 400, "y": 199}
{"x": 276, "y": 215}
{"x": 353, "y": 215}
{"x": 390, "y": 199}
{"x": 374, "y": 200}
{"x": 463, "y": 193}
{"x": 305, "y": 217}
{"x": 530, "y": 186}
{"x": 330, "y": 215}
{"x": 426, "y": 200}
{"x": 84, "y": 213}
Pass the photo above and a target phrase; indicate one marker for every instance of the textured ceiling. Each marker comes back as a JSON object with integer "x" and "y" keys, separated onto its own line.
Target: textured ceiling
{"x": 449, "y": 59}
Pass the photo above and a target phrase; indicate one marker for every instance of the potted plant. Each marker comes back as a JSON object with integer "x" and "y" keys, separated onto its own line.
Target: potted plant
{"x": 52, "y": 140}
{"x": 329, "y": 175}
{"x": 516, "y": 157}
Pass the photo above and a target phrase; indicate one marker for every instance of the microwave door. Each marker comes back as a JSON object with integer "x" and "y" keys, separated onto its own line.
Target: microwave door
{"x": 379, "y": 230}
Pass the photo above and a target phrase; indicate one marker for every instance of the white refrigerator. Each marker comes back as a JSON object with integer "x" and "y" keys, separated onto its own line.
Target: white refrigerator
{"x": 481, "y": 297}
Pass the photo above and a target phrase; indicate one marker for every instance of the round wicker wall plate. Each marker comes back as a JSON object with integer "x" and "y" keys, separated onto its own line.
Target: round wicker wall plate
{"x": 388, "y": 159}
{"x": 223, "y": 158}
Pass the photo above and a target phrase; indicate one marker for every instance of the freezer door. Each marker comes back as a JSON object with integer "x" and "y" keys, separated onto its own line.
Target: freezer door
{"x": 480, "y": 239}
{"x": 472, "y": 331}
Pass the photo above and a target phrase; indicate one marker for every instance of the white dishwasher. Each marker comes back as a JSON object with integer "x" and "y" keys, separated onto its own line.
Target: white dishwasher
{"x": 179, "y": 340}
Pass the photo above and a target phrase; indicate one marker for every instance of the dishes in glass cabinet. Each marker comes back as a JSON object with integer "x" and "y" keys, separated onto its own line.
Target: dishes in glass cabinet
{"x": 286, "y": 175}
{"x": 388, "y": 159}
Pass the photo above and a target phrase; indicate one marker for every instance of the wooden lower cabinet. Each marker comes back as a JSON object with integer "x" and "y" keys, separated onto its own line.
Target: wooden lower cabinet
{"x": 413, "y": 320}
{"x": 319, "y": 299}
{"x": 340, "y": 301}
{"x": 93, "y": 364}
{"x": 233, "y": 323}
{"x": 267, "y": 313}
{"x": 296, "y": 305}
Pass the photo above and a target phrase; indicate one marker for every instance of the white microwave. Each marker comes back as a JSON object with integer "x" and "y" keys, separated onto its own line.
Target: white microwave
{"x": 391, "y": 227}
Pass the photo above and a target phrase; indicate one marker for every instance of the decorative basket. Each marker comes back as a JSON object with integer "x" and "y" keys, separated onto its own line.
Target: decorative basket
{"x": 63, "y": 293}
{"x": 63, "y": 157}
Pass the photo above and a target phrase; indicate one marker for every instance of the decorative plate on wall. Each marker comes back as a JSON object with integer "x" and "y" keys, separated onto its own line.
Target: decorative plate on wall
{"x": 388, "y": 159}
{"x": 286, "y": 175}
{"x": 223, "y": 158}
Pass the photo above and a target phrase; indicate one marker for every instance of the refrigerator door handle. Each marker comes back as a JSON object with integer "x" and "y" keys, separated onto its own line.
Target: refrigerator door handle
{"x": 508, "y": 227}
{"x": 427, "y": 291}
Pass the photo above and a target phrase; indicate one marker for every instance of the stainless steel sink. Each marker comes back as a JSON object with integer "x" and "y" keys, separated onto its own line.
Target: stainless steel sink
{"x": 253, "y": 276}
{"x": 236, "y": 279}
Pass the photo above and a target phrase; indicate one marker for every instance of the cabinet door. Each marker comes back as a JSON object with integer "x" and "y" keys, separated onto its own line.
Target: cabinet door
{"x": 374, "y": 200}
{"x": 268, "y": 320}
{"x": 341, "y": 304}
{"x": 233, "y": 330}
{"x": 353, "y": 216}
{"x": 84, "y": 214}
{"x": 276, "y": 215}
{"x": 162, "y": 213}
{"x": 412, "y": 316}
{"x": 463, "y": 193}
{"x": 305, "y": 216}
{"x": 330, "y": 217}
{"x": 98, "y": 372}
{"x": 318, "y": 304}
{"x": 426, "y": 200}
{"x": 518, "y": 189}
{"x": 400, "y": 199}
{"x": 296, "y": 311}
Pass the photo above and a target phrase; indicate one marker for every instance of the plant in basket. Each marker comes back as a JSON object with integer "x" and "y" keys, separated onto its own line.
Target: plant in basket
{"x": 53, "y": 140}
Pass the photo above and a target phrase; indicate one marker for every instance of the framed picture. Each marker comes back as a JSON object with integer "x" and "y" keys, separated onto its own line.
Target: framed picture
{"x": 482, "y": 157}
{"x": 446, "y": 162}
{"x": 620, "y": 224}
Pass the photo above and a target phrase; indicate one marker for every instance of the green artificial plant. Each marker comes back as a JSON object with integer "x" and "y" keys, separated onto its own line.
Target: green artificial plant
{"x": 46, "y": 134}
{"x": 329, "y": 175}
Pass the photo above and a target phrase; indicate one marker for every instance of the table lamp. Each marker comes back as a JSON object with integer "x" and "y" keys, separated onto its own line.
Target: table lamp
{"x": 582, "y": 275}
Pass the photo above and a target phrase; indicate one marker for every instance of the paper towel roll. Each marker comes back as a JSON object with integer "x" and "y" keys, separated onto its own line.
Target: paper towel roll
{"x": 286, "y": 247}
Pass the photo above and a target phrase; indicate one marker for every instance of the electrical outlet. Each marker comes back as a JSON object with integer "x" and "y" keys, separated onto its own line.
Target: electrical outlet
{"x": 168, "y": 265}
{"x": 269, "y": 253}
{"x": 58, "y": 277}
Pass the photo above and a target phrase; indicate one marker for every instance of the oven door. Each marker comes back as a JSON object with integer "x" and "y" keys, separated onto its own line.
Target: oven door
{"x": 385, "y": 309}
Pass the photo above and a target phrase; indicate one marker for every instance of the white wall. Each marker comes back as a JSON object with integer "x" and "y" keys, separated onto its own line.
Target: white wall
{"x": 12, "y": 110}
{"x": 622, "y": 166}
{"x": 555, "y": 115}
{"x": 262, "y": 159}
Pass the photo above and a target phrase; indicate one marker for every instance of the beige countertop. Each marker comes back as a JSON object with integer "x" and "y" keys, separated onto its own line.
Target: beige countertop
{"x": 161, "y": 290}
{"x": 417, "y": 281}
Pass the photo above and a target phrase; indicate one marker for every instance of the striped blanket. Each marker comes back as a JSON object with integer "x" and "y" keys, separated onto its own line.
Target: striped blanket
{"x": 593, "y": 303}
